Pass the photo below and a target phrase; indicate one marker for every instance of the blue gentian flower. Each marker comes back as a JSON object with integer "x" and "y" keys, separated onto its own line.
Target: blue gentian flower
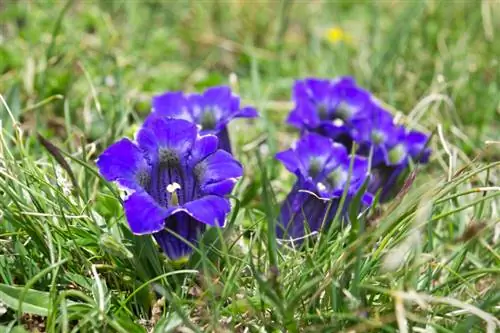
{"x": 392, "y": 148}
{"x": 327, "y": 107}
{"x": 341, "y": 110}
{"x": 322, "y": 170}
{"x": 177, "y": 181}
{"x": 212, "y": 110}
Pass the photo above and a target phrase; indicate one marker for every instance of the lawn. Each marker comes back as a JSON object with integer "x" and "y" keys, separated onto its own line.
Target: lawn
{"x": 76, "y": 76}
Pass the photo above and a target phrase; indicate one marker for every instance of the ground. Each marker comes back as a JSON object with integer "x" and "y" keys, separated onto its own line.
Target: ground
{"x": 81, "y": 74}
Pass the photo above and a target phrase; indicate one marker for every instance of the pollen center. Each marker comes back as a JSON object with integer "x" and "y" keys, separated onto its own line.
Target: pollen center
{"x": 377, "y": 137}
{"x": 337, "y": 178}
{"x": 343, "y": 111}
{"x": 314, "y": 168}
{"x": 143, "y": 178}
{"x": 397, "y": 154}
{"x": 168, "y": 157}
{"x": 322, "y": 111}
{"x": 208, "y": 120}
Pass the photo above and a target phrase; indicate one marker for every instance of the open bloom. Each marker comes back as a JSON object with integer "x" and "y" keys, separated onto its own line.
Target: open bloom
{"x": 392, "y": 148}
{"x": 323, "y": 170}
{"x": 212, "y": 110}
{"x": 327, "y": 107}
{"x": 177, "y": 181}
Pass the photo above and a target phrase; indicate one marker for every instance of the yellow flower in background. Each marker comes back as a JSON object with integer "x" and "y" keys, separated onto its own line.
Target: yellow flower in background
{"x": 336, "y": 35}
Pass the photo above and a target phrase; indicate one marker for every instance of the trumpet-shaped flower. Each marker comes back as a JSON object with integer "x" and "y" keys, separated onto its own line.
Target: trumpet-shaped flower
{"x": 324, "y": 170}
{"x": 177, "y": 180}
{"x": 212, "y": 110}
{"x": 392, "y": 148}
{"x": 327, "y": 107}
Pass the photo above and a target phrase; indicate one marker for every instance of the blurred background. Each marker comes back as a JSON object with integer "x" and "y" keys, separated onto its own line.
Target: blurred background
{"x": 82, "y": 74}
{"x": 89, "y": 68}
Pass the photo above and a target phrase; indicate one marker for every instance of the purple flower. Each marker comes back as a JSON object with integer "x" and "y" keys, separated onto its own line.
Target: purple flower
{"x": 177, "y": 181}
{"x": 322, "y": 170}
{"x": 392, "y": 146}
{"x": 212, "y": 110}
{"x": 328, "y": 106}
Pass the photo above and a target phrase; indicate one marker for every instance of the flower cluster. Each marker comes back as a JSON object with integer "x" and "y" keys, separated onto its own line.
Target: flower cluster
{"x": 392, "y": 148}
{"x": 327, "y": 107}
{"x": 334, "y": 115}
{"x": 179, "y": 171}
{"x": 212, "y": 110}
{"x": 323, "y": 169}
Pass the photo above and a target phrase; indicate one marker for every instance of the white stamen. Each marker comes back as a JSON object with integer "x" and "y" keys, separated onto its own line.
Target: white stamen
{"x": 321, "y": 186}
{"x": 171, "y": 188}
{"x": 338, "y": 122}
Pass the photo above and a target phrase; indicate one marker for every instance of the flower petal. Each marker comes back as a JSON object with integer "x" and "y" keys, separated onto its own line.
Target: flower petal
{"x": 211, "y": 210}
{"x": 385, "y": 179}
{"x": 221, "y": 188}
{"x": 349, "y": 99}
{"x": 304, "y": 115}
{"x": 311, "y": 89}
{"x": 416, "y": 142}
{"x": 147, "y": 143}
{"x": 375, "y": 126}
{"x": 323, "y": 151}
{"x": 219, "y": 95}
{"x": 367, "y": 199}
{"x": 220, "y": 166}
{"x": 347, "y": 80}
{"x": 123, "y": 162}
{"x": 331, "y": 130}
{"x": 224, "y": 141}
{"x": 338, "y": 157}
{"x": 144, "y": 215}
{"x": 196, "y": 104}
{"x": 314, "y": 145}
{"x": 359, "y": 168}
{"x": 289, "y": 159}
{"x": 176, "y": 134}
{"x": 172, "y": 104}
{"x": 187, "y": 229}
{"x": 203, "y": 146}
{"x": 303, "y": 211}
{"x": 248, "y": 112}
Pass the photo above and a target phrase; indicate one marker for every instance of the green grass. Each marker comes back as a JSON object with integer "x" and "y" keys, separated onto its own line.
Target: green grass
{"x": 82, "y": 73}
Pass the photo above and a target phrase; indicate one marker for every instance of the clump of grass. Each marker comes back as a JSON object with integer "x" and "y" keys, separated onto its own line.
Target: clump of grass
{"x": 428, "y": 261}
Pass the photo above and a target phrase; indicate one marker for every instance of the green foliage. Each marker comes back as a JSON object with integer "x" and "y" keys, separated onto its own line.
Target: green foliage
{"x": 81, "y": 74}
{"x": 33, "y": 301}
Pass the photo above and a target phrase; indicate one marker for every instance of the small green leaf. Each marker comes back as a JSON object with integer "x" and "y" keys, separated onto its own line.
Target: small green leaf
{"x": 15, "y": 329}
{"x": 168, "y": 324}
{"x": 127, "y": 324}
{"x": 35, "y": 302}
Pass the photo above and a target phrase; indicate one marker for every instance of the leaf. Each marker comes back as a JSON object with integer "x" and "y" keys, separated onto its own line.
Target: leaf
{"x": 80, "y": 280}
{"x": 13, "y": 101}
{"x": 15, "y": 329}
{"x": 56, "y": 153}
{"x": 168, "y": 324}
{"x": 128, "y": 325}
{"x": 35, "y": 302}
